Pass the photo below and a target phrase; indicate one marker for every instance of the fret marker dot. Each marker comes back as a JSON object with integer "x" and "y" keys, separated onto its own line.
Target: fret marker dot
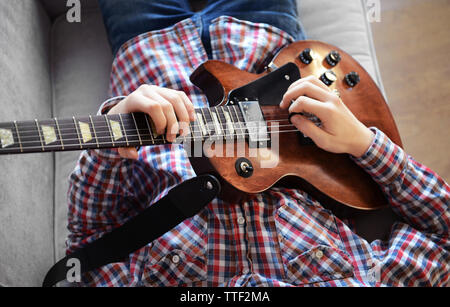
{"x": 6, "y": 137}
{"x": 49, "y": 134}
{"x": 116, "y": 130}
{"x": 85, "y": 132}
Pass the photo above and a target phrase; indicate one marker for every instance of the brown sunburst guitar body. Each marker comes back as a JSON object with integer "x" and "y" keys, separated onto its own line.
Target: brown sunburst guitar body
{"x": 334, "y": 176}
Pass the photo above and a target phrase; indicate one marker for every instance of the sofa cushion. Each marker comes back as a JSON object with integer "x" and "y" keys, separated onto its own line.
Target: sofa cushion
{"x": 26, "y": 181}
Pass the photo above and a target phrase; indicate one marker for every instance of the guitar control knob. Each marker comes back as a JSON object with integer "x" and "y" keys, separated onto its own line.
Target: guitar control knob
{"x": 306, "y": 56}
{"x": 352, "y": 79}
{"x": 333, "y": 58}
{"x": 329, "y": 77}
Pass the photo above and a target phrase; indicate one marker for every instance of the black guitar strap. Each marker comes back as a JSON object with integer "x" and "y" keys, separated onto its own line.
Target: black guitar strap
{"x": 182, "y": 202}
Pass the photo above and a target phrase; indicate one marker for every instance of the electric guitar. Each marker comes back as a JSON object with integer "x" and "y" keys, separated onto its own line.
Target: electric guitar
{"x": 243, "y": 136}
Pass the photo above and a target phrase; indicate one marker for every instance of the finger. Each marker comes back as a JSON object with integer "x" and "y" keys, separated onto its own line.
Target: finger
{"x": 172, "y": 123}
{"x": 155, "y": 111}
{"x": 179, "y": 106}
{"x": 189, "y": 105}
{"x": 308, "y": 105}
{"x": 156, "y": 92}
{"x": 305, "y": 89}
{"x": 312, "y": 79}
{"x": 309, "y": 129}
{"x": 138, "y": 102}
{"x": 128, "y": 153}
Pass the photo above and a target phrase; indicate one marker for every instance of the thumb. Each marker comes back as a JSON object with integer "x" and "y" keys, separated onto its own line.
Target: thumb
{"x": 128, "y": 153}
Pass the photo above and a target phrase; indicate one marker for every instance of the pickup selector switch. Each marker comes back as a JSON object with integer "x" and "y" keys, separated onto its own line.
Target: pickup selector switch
{"x": 333, "y": 58}
{"x": 329, "y": 77}
{"x": 306, "y": 56}
{"x": 352, "y": 79}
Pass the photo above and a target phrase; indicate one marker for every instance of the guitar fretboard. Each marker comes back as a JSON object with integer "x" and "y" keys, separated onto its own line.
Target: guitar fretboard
{"x": 111, "y": 131}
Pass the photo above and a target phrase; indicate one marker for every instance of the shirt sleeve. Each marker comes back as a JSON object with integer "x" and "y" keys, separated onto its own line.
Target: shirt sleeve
{"x": 105, "y": 190}
{"x": 416, "y": 193}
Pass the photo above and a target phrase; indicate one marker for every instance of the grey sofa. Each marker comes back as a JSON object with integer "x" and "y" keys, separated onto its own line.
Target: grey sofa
{"x": 52, "y": 68}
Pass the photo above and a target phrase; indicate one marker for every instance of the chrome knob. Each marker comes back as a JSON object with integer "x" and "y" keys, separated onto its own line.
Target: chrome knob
{"x": 306, "y": 56}
{"x": 329, "y": 77}
{"x": 352, "y": 79}
{"x": 333, "y": 58}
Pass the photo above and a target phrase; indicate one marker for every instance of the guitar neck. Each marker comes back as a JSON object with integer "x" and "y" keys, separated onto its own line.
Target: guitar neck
{"x": 111, "y": 131}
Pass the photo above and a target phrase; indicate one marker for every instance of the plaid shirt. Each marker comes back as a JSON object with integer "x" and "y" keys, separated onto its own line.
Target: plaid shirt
{"x": 281, "y": 237}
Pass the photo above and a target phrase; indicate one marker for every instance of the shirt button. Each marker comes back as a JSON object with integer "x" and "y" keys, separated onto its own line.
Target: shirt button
{"x": 241, "y": 220}
{"x": 245, "y": 271}
{"x": 175, "y": 259}
{"x": 280, "y": 237}
{"x": 319, "y": 254}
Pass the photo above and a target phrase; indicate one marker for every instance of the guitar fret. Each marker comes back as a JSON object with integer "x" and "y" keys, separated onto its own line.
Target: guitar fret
{"x": 197, "y": 128}
{"x": 30, "y": 137}
{"x": 95, "y": 133}
{"x": 201, "y": 124}
{"x": 191, "y": 135}
{"x": 241, "y": 134}
{"x": 221, "y": 120}
{"x": 40, "y": 136}
{"x": 210, "y": 126}
{"x": 228, "y": 133}
{"x": 78, "y": 132}
{"x": 216, "y": 123}
{"x": 130, "y": 128}
{"x": 67, "y": 132}
{"x": 137, "y": 130}
{"x": 52, "y": 140}
{"x": 59, "y": 132}
{"x": 208, "y": 132}
{"x": 143, "y": 128}
{"x": 221, "y": 112}
{"x": 110, "y": 130}
{"x": 18, "y": 136}
{"x": 124, "y": 130}
{"x": 228, "y": 121}
{"x": 150, "y": 129}
{"x": 8, "y": 142}
{"x": 118, "y": 129}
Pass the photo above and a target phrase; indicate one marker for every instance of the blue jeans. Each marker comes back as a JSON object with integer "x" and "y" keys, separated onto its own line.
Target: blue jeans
{"x": 125, "y": 19}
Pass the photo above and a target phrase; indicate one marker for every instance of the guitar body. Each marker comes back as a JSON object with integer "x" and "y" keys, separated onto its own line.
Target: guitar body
{"x": 295, "y": 164}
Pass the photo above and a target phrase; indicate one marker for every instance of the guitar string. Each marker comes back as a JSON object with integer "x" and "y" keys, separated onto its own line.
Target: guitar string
{"x": 225, "y": 135}
{"x": 129, "y": 126}
{"x": 62, "y": 122}
{"x": 124, "y": 143}
{"x": 32, "y": 124}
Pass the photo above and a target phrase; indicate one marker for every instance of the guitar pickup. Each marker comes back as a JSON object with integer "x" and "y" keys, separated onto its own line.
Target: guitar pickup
{"x": 258, "y": 135}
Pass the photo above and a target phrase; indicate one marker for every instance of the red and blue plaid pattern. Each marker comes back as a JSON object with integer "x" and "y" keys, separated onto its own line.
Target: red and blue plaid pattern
{"x": 281, "y": 237}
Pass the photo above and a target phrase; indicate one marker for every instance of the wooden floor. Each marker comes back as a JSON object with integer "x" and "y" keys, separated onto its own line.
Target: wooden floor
{"x": 413, "y": 49}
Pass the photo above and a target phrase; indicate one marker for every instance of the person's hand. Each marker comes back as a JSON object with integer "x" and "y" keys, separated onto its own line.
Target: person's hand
{"x": 341, "y": 131}
{"x": 171, "y": 111}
